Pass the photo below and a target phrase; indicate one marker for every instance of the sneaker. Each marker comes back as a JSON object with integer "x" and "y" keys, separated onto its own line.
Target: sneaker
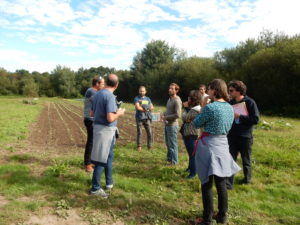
{"x": 99, "y": 192}
{"x": 109, "y": 187}
{"x": 89, "y": 168}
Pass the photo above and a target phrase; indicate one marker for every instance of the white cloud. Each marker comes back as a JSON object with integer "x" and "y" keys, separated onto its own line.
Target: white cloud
{"x": 12, "y": 60}
{"x": 196, "y": 41}
{"x": 44, "y": 12}
{"x": 280, "y": 15}
{"x": 111, "y": 32}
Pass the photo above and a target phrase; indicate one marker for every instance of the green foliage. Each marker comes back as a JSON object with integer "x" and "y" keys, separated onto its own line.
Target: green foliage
{"x": 277, "y": 124}
{"x": 63, "y": 80}
{"x": 269, "y": 65}
{"x": 62, "y": 208}
{"x": 191, "y": 72}
{"x": 59, "y": 168}
{"x": 30, "y": 88}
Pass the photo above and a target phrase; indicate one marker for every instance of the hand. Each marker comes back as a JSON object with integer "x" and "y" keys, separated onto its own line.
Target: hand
{"x": 185, "y": 104}
{"x": 121, "y": 111}
{"x": 236, "y": 115}
{"x": 162, "y": 118}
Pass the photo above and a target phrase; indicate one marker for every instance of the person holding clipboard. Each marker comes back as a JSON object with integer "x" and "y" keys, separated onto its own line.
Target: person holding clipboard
{"x": 240, "y": 138}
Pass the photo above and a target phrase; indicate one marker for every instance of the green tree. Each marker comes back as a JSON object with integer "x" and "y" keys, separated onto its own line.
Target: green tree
{"x": 193, "y": 71}
{"x": 30, "y": 88}
{"x": 63, "y": 81}
{"x": 273, "y": 76}
{"x": 155, "y": 54}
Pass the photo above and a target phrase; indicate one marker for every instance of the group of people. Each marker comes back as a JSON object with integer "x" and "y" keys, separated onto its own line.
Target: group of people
{"x": 214, "y": 131}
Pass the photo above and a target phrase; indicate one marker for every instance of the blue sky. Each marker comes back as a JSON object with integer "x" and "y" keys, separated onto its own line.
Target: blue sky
{"x": 37, "y": 35}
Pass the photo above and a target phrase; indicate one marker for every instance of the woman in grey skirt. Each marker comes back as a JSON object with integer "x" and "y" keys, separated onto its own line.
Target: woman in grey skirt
{"x": 213, "y": 160}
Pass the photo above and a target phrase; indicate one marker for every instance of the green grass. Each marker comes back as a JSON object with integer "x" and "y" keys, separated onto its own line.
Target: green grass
{"x": 146, "y": 190}
{"x": 15, "y": 117}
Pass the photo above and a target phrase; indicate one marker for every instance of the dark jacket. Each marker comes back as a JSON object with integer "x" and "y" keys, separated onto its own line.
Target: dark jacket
{"x": 245, "y": 126}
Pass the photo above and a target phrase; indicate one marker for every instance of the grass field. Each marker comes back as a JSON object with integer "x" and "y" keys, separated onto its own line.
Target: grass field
{"x": 46, "y": 183}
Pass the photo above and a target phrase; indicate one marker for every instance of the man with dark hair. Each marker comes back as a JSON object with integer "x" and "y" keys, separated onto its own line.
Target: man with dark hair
{"x": 97, "y": 84}
{"x": 143, "y": 106}
{"x": 106, "y": 114}
{"x": 170, "y": 117}
{"x": 240, "y": 138}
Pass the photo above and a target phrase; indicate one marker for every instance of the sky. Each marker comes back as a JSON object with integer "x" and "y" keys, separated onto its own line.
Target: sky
{"x": 38, "y": 35}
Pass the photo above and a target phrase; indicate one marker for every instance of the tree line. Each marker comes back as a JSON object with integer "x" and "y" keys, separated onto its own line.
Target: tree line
{"x": 269, "y": 65}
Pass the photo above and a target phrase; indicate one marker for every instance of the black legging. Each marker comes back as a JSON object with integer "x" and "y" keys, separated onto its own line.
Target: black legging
{"x": 207, "y": 197}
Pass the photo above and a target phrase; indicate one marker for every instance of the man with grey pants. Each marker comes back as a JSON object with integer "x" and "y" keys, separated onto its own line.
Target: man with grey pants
{"x": 170, "y": 117}
{"x": 143, "y": 116}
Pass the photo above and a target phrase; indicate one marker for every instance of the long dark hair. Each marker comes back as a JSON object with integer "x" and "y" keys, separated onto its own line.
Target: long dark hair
{"x": 220, "y": 88}
{"x": 195, "y": 98}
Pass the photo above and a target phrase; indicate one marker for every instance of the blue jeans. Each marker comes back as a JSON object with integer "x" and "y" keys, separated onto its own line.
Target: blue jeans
{"x": 171, "y": 142}
{"x": 189, "y": 142}
{"x": 107, "y": 167}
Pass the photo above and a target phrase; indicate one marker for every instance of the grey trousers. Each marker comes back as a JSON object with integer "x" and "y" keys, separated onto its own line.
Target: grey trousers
{"x": 148, "y": 127}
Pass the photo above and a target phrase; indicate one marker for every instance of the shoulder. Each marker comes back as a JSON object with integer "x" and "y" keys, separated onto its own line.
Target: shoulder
{"x": 106, "y": 94}
{"x": 90, "y": 92}
{"x": 136, "y": 98}
{"x": 177, "y": 99}
{"x": 248, "y": 99}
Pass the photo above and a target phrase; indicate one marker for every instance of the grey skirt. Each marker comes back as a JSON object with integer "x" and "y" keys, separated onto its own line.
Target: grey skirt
{"x": 213, "y": 158}
{"x": 103, "y": 136}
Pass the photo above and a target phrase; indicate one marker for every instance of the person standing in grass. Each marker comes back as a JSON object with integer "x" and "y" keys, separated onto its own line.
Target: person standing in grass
{"x": 97, "y": 84}
{"x": 191, "y": 109}
{"x": 170, "y": 117}
{"x": 213, "y": 160}
{"x": 106, "y": 114}
{"x": 143, "y": 107}
{"x": 204, "y": 96}
{"x": 240, "y": 136}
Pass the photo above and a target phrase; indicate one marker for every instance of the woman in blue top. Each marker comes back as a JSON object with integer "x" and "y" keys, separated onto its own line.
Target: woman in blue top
{"x": 213, "y": 160}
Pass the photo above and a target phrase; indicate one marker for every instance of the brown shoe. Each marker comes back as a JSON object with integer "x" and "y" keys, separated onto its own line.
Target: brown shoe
{"x": 88, "y": 168}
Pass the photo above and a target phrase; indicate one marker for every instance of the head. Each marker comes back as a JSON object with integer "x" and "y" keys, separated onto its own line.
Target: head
{"x": 194, "y": 98}
{"x": 202, "y": 89}
{"x": 112, "y": 81}
{"x": 236, "y": 88}
{"x": 173, "y": 89}
{"x": 98, "y": 82}
{"x": 217, "y": 89}
{"x": 142, "y": 91}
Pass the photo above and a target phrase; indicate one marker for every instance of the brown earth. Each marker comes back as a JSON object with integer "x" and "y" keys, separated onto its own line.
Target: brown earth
{"x": 60, "y": 125}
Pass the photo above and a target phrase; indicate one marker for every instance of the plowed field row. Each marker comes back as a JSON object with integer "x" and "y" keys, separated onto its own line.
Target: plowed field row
{"x": 61, "y": 125}
{"x": 127, "y": 126}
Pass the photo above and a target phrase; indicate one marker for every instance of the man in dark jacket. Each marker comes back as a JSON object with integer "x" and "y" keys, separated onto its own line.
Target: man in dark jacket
{"x": 240, "y": 138}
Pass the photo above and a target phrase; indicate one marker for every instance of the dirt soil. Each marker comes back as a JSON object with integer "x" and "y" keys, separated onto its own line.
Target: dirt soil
{"x": 73, "y": 218}
{"x": 61, "y": 125}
